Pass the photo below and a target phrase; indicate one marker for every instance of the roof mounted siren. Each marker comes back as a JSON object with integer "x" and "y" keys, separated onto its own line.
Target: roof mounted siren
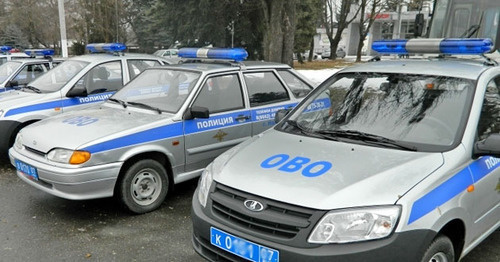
{"x": 441, "y": 46}
{"x": 115, "y": 48}
{"x": 233, "y": 54}
{"x": 5, "y": 49}
{"x": 45, "y": 53}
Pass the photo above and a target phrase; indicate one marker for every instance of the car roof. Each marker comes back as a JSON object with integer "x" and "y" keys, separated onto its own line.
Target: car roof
{"x": 99, "y": 57}
{"x": 452, "y": 67}
{"x": 221, "y": 66}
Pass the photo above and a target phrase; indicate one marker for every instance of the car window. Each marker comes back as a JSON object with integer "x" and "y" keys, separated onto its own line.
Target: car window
{"x": 412, "y": 109}
{"x": 221, "y": 93}
{"x": 136, "y": 66}
{"x": 30, "y": 73}
{"x": 490, "y": 111}
{"x": 164, "y": 89}
{"x": 7, "y": 69}
{"x": 56, "y": 78}
{"x": 265, "y": 88}
{"x": 103, "y": 78}
{"x": 298, "y": 87}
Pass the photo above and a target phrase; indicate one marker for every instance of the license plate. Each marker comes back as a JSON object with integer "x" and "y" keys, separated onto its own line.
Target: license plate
{"x": 26, "y": 169}
{"x": 242, "y": 247}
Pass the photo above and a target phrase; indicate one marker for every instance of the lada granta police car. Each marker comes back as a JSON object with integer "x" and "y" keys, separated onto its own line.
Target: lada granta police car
{"x": 162, "y": 128}
{"x": 76, "y": 83}
{"x": 384, "y": 161}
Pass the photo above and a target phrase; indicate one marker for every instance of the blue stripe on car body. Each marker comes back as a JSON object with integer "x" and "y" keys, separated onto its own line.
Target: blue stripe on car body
{"x": 453, "y": 187}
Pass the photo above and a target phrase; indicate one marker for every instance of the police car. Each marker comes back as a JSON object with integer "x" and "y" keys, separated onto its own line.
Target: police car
{"x": 7, "y": 55}
{"x": 77, "y": 82}
{"x": 384, "y": 161}
{"x": 19, "y": 72}
{"x": 162, "y": 128}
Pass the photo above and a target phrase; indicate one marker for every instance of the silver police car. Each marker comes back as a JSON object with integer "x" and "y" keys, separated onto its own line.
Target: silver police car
{"x": 74, "y": 84}
{"x": 162, "y": 128}
{"x": 385, "y": 161}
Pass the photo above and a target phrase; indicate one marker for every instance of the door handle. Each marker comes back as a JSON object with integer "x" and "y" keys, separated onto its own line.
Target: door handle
{"x": 242, "y": 118}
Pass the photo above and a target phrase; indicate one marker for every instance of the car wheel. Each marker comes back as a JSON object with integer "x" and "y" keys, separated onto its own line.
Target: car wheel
{"x": 440, "y": 250}
{"x": 144, "y": 186}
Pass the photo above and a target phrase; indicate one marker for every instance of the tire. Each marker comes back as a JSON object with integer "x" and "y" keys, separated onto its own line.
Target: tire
{"x": 143, "y": 187}
{"x": 440, "y": 250}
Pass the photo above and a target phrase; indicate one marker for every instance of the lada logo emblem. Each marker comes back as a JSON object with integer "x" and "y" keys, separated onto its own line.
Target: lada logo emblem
{"x": 253, "y": 205}
{"x": 34, "y": 142}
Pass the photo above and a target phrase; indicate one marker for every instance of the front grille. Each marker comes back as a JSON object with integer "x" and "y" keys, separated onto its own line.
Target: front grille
{"x": 34, "y": 151}
{"x": 277, "y": 220}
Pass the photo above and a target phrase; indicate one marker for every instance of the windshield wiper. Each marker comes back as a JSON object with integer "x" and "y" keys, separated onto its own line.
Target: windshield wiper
{"x": 366, "y": 137}
{"x": 146, "y": 106}
{"x": 307, "y": 132}
{"x": 32, "y": 88}
{"x": 121, "y": 102}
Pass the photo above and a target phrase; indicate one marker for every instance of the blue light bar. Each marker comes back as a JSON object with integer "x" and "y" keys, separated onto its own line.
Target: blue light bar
{"x": 39, "y": 52}
{"x": 467, "y": 46}
{"x": 106, "y": 47}
{"x": 5, "y": 48}
{"x": 236, "y": 54}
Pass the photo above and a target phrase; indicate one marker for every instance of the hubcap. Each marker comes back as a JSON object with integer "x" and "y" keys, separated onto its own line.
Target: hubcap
{"x": 146, "y": 187}
{"x": 439, "y": 257}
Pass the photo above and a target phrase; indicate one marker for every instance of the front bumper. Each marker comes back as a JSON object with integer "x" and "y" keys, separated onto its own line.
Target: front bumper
{"x": 403, "y": 246}
{"x": 71, "y": 183}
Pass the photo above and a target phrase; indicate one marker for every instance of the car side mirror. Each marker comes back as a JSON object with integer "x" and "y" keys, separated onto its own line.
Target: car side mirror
{"x": 196, "y": 112}
{"x": 488, "y": 147}
{"x": 77, "y": 91}
{"x": 280, "y": 114}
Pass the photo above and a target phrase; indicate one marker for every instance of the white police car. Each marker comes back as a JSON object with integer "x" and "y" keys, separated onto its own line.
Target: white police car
{"x": 7, "y": 55}
{"x": 72, "y": 85}
{"x": 384, "y": 161}
{"x": 161, "y": 129}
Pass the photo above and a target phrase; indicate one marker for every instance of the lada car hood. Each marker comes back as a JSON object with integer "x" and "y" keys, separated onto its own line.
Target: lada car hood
{"x": 322, "y": 174}
{"x": 14, "y": 98}
{"x": 81, "y": 128}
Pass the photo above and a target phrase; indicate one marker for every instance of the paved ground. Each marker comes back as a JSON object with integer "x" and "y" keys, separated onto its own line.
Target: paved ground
{"x": 35, "y": 226}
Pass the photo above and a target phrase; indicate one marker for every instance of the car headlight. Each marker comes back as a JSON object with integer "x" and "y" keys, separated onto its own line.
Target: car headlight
{"x": 19, "y": 141}
{"x": 214, "y": 168}
{"x": 67, "y": 156}
{"x": 354, "y": 225}
{"x": 205, "y": 184}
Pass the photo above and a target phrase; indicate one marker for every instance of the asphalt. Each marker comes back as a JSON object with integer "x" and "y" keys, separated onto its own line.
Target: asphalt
{"x": 35, "y": 226}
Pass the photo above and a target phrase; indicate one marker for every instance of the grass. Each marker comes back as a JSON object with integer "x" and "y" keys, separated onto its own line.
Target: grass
{"x": 322, "y": 64}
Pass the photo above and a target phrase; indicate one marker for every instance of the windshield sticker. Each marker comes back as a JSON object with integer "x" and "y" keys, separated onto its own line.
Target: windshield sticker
{"x": 303, "y": 164}
{"x": 80, "y": 120}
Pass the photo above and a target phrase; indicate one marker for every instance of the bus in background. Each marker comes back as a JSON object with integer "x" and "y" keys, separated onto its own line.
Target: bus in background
{"x": 466, "y": 19}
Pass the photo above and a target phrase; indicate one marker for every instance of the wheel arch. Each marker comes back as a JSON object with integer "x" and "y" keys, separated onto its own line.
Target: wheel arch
{"x": 158, "y": 156}
{"x": 455, "y": 231}
{"x": 18, "y": 128}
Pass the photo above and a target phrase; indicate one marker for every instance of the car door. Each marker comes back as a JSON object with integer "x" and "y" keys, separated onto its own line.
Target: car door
{"x": 228, "y": 125}
{"x": 485, "y": 170}
{"x": 267, "y": 95}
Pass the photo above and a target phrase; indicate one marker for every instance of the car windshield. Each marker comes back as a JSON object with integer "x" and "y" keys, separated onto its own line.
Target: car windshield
{"x": 162, "y": 89}
{"x": 7, "y": 69}
{"x": 408, "y": 111}
{"x": 56, "y": 78}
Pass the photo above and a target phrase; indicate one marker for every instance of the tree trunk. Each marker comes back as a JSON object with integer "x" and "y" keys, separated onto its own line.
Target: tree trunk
{"x": 289, "y": 24}
{"x": 273, "y": 36}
